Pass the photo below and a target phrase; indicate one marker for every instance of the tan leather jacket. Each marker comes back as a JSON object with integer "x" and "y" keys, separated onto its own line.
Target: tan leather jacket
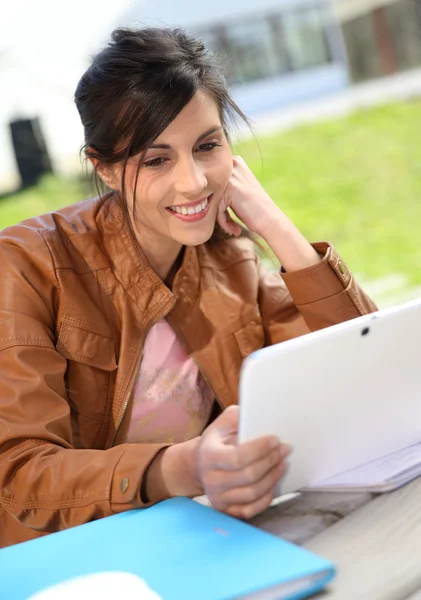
{"x": 76, "y": 301}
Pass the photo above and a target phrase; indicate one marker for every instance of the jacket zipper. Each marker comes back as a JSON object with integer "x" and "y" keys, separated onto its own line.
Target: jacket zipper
{"x": 128, "y": 395}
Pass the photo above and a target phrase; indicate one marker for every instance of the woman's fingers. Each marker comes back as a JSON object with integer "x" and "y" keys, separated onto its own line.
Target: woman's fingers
{"x": 226, "y": 424}
{"x": 247, "y": 511}
{"x": 238, "y": 457}
{"x": 228, "y": 224}
{"x": 250, "y": 474}
{"x": 239, "y": 479}
{"x": 220, "y": 451}
{"x": 249, "y": 494}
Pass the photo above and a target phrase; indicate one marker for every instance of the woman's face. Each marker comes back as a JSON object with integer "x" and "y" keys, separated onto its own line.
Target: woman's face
{"x": 182, "y": 178}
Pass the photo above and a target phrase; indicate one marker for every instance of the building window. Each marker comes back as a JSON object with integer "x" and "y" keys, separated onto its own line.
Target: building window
{"x": 305, "y": 38}
{"x": 252, "y": 51}
{"x": 270, "y": 45}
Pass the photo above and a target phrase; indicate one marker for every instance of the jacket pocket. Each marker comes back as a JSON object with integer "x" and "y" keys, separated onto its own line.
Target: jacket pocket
{"x": 86, "y": 347}
{"x": 250, "y": 337}
{"x": 90, "y": 375}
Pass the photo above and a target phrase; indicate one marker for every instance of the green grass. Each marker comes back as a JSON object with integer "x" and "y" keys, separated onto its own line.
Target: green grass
{"x": 50, "y": 194}
{"x": 355, "y": 181}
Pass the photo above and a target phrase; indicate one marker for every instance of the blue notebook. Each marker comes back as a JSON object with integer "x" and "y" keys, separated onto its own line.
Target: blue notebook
{"x": 183, "y": 550}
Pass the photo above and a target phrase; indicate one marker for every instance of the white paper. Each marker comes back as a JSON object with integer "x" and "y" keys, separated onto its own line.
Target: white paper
{"x": 405, "y": 463}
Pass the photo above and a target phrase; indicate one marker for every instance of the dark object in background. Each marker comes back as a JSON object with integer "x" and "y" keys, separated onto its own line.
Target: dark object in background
{"x": 30, "y": 150}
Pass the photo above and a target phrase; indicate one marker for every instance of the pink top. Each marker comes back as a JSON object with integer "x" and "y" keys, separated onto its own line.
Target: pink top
{"x": 171, "y": 402}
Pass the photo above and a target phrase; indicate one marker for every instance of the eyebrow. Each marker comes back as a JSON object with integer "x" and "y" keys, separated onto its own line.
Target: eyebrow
{"x": 201, "y": 137}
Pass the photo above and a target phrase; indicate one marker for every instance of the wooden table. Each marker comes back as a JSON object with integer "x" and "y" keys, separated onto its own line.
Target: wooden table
{"x": 374, "y": 541}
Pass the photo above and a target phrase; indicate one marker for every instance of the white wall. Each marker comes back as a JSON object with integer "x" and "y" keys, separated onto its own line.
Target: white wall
{"x": 44, "y": 49}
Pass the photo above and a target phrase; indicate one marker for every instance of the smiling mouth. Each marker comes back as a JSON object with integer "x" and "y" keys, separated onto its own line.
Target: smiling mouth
{"x": 191, "y": 210}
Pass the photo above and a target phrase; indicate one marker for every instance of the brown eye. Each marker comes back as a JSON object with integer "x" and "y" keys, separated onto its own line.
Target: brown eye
{"x": 155, "y": 162}
{"x": 208, "y": 146}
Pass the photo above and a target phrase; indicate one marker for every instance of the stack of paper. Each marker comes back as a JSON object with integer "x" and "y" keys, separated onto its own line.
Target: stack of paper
{"x": 381, "y": 475}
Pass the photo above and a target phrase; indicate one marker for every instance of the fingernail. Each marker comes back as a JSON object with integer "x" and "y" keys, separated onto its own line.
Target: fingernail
{"x": 274, "y": 443}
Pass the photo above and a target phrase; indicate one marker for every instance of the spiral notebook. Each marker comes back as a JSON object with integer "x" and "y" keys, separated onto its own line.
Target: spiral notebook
{"x": 179, "y": 548}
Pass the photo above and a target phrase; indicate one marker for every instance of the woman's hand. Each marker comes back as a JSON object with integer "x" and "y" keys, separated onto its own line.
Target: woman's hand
{"x": 253, "y": 206}
{"x": 238, "y": 479}
{"x": 248, "y": 200}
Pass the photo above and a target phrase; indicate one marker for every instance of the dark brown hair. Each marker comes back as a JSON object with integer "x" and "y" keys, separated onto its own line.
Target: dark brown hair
{"x": 137, "y": 85}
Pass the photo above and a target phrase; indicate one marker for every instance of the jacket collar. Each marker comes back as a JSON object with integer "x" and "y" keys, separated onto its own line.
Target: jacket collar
{"x": 133, "y": 271}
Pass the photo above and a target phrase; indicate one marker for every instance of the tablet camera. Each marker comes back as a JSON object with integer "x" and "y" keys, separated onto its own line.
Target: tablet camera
{"x": 365, "y": 331}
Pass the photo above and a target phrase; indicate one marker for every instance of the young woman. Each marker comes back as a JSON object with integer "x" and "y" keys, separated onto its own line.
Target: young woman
{"x": 124, "y": 319}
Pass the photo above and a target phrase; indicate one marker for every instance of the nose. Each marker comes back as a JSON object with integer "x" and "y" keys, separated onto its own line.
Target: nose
{"x": 190, "y": 178}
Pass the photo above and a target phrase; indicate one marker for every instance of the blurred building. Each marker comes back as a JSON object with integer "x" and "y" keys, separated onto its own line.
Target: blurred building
{"x": 275, "y": 52}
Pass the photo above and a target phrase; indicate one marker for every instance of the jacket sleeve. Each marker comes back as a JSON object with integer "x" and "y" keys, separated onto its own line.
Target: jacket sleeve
{"x": 325, "y": 294}
{"x": 45, "y": 483}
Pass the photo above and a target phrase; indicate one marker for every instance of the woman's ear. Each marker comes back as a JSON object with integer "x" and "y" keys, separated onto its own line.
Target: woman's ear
{"x": 108, "y": 173}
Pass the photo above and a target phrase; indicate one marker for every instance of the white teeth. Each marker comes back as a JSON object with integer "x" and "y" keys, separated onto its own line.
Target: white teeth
{"x": 191, "y": 210}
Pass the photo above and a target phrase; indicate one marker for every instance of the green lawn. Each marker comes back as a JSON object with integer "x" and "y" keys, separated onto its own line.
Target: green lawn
{"x": 355, "y": 181}
{"x": 50, "y": 194}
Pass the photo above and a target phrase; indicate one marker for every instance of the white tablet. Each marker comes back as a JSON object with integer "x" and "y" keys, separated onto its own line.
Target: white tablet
{"x": 341, "y": 396}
